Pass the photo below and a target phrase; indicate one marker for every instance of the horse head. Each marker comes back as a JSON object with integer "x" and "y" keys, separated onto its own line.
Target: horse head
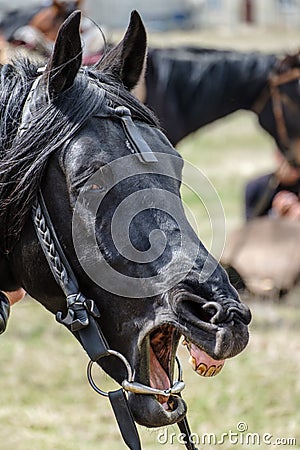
{"x": 278, "y": 106}
{"x": 111, "y": 183}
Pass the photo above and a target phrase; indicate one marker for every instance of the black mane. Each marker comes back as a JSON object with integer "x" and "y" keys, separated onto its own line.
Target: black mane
{"x": 23, "y": 156}
{"x": 215, "y": 68}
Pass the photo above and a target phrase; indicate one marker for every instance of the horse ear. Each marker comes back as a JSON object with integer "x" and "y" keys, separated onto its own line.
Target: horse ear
{"x": 66, "y": 57}
{"x": 127, "y": 59}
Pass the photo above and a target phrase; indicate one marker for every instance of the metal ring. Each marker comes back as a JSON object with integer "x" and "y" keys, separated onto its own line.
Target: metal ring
{"x": 179, "y": 366}
{"x": 90, "y": 377}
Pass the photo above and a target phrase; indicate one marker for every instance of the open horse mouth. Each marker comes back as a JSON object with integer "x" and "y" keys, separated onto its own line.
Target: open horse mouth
{"x": 156, "y": 369}
{"x": 209, "y": 343}
{"x": 162, "y": 348}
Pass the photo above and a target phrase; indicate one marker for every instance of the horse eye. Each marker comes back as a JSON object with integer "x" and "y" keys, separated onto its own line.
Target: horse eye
{"x": 94, "y": 187}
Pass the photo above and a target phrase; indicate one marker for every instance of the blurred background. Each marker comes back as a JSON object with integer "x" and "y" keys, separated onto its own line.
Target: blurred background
{"x": 186, "y": 14}
{"x": 46, "y": 402}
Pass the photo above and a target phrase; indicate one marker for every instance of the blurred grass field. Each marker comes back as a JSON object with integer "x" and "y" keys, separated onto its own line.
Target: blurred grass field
{"x": 46, "y": 402}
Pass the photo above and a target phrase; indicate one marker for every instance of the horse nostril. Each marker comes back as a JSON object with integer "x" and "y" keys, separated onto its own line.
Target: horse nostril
{"x": 206, "y": 311}
{"x": 241, "y": 312}
{"x": 216, "y": 312}
{"x": 212, "y": 312}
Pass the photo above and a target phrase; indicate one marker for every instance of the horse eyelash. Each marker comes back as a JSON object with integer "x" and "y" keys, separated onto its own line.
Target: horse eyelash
{"x": 82, "y": 180}
{"x": 92, "y": 187}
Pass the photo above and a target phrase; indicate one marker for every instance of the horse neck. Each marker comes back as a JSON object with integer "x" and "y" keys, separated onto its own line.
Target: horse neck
{"x": 204, "y": 86}
{"x": 240, "y": 78}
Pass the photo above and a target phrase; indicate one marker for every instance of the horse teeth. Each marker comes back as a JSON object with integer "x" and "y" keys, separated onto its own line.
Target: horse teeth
{"x": 201, "y": 369}
{"x": 192, "y": 362}
{"x": 218, "y": 369}
{"x": 211, "y": 371}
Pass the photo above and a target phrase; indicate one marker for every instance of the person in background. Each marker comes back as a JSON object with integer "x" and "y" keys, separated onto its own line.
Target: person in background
{"x": 6, "y": 300}
{"x": 275, "y": 194}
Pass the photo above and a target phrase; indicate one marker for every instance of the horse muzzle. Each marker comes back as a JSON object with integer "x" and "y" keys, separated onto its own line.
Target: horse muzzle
{"x": 218, "y": 328}
{"x": 213, "y": 332}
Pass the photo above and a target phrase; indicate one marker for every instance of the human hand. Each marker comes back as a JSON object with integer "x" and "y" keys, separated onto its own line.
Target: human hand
{"x": 283, "y": 202}
{"x": 15, "y": 296}
{"x": 287, "y": 174}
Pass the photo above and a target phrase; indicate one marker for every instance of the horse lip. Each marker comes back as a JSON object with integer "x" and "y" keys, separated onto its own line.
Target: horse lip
{"x": 147, "y": 411}
{"x": 219, "y": 340}
{"x": 222, "y": 344}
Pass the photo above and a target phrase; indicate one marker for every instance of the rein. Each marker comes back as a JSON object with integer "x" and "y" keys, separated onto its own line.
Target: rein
{"x": 272, "y": 91}
{"x": 82, "y": 313}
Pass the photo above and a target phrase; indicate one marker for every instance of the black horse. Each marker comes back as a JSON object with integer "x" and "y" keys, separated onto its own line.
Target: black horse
{"x": 78, "y": 138}
{"x": 191, "y": 87}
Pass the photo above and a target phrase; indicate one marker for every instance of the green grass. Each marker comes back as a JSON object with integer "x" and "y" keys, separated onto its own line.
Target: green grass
{"x": 46, "y": 402}
{"x": 228, "y": 152}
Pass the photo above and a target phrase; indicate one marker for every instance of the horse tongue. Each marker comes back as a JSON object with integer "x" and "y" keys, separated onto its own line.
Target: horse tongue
{"x": 201, "y": 362}
{"x": 158, "y": 378}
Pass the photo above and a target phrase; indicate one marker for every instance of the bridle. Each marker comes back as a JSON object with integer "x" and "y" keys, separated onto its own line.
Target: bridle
{"x": 82, "y": 313}
{"x": 272, "y": 91}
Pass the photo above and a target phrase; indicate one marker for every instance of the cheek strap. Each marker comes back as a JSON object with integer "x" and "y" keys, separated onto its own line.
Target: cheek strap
{"x": 138, "y": 143}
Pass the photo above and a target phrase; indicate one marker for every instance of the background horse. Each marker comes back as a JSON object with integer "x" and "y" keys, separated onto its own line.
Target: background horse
{"x": 73, "y": 136}
{"x": 191, "y": 87}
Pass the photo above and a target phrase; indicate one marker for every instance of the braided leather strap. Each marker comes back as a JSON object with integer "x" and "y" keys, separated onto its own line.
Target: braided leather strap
{"x": 45, "y": 236}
